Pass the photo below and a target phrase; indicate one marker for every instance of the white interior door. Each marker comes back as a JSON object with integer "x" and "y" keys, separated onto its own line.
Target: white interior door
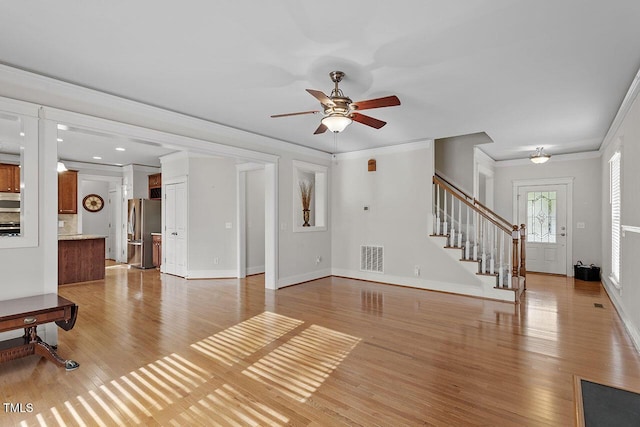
{"x": 543, "y": 208}
{"x": 174, "y": 239}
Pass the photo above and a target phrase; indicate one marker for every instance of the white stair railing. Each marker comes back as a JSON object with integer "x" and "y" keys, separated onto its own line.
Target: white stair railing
{"x": 485, "y": 237}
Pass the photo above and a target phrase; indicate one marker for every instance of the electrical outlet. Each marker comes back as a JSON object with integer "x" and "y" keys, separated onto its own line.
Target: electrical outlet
{"x": 227, "y": 225}
{"x": 580, "y": 225}
{"x": 216, "y": 260}
{"x": 60, "y": 224}
{"x": 416, "y": 271}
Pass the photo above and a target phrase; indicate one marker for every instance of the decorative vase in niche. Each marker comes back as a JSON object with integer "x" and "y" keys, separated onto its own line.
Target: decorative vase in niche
{"x": 305, "y": 216}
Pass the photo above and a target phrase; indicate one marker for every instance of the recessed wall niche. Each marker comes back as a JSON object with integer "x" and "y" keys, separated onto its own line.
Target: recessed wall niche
{"x": 310, "y": 186}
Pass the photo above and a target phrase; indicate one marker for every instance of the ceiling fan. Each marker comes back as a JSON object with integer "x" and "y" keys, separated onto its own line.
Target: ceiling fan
{"x": 339, "y": 111}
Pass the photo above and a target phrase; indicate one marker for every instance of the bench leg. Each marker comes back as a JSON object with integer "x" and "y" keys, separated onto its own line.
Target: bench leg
{"x": 43, "y": 349}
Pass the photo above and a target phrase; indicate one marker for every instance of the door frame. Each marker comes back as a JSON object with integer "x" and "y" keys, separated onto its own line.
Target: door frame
{"x": 568, "y": 183}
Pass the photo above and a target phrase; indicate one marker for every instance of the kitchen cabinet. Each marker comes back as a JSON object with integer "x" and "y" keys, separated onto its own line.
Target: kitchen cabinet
{"x": 155, "y": 186}
{"x": 80, "y": 258}
{"x": 68, "y": 192}
{"x": 9, "y": 178}
{"x": 157, "y": 250}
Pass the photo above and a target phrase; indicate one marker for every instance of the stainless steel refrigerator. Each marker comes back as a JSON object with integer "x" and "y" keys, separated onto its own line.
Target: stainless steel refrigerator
{"x": 143, "y": 219}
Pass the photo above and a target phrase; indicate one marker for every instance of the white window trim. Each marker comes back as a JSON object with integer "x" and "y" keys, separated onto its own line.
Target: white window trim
{"x": 615, "y": 191}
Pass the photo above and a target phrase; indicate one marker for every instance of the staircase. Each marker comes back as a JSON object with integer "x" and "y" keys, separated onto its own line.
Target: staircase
{"x": 485, "y": 244}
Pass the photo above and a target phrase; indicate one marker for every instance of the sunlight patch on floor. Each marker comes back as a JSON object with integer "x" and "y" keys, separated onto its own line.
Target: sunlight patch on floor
{"x": 167, "y": 387}
{"x": 239, "y": 341}
{"x": 298, "y": 367}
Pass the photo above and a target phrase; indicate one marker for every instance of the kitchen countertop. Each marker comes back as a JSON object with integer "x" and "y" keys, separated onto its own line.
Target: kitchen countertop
{"x": 79, "y": 236}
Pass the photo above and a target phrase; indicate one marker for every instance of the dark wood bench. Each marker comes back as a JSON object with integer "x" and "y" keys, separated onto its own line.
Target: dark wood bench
{"x": 28, "y": 313}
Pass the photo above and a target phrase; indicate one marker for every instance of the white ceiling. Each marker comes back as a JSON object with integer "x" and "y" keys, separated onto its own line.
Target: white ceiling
{"x": 528, "y": 73}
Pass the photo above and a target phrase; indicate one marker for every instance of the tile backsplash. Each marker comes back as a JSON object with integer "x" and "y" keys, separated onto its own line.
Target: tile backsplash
{"x": 70, "y": 224}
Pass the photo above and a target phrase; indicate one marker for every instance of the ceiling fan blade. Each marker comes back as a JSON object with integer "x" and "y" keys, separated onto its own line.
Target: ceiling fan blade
{"x": 387, "y": 101}
{"x": 320, "y": 96}
{"x": 321, "y": 129}
{"x": 294, "y": 114}
{"x": 366, "y": 120}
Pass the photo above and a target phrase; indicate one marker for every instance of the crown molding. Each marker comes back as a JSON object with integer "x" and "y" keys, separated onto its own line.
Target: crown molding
{"x": 554, "y": 158}
{"x": 625, "y": 106}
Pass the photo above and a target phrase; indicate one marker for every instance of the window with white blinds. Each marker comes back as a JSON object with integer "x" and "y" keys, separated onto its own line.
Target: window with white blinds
{"x": 614, "y": 180}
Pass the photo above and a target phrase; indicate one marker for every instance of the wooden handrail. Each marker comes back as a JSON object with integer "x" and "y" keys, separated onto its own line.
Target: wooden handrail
{"x": 446, "y": 186}
{"x": 475, "y": 201}
{"x": 504, "y": 221}
{"x": 455, "y": 187}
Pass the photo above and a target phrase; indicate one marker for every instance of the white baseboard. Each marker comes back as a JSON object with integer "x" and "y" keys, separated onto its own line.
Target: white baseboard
{"x": 413, "y": 282}
{"x": 616, "y": 298}
{"x": 258, "y": 269}
{"x": 211, "y": 274}
{"x": 294, "y": 280}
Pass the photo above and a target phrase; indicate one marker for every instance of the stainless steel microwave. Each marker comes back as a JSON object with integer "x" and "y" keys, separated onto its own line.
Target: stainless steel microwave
{"x": 9, "y": 202}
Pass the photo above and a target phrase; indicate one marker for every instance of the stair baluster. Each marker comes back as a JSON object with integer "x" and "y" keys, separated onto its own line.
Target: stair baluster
{"x": 487, "y": 238}
{"x": 459, "y": 223}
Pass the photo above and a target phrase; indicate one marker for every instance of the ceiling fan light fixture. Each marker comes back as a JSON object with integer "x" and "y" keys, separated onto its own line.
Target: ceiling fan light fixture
{"x": 336, "y": 122}
{"x": 539, "y": 157}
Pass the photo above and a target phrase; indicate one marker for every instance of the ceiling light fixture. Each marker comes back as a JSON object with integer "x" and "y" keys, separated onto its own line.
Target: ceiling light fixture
{"x": 61, "y": 167}
{"x": 539, "y": 157}
{"x": 336, "y": 122}
{"x": 120, "y": 149}
{"x": 97, "y": 158}
{"x": 60, "y": 140}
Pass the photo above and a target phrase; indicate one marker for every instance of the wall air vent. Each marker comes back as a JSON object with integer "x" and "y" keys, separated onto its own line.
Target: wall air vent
{"x": 372, "y": 259}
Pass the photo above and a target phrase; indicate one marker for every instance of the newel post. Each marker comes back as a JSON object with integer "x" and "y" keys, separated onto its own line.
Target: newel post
{"x": 523, "y": 254}
{"x": 515, "y": 236}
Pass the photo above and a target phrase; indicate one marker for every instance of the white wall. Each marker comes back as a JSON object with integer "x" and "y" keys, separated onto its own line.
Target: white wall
{"x": 255, "y": 221}
{"x": 585, "y": 169}
{"x": 299, "y": 251}
{"x": 626, "y": 139}
{"x": 399, "y": 196}
{"x": 212, "y": 205}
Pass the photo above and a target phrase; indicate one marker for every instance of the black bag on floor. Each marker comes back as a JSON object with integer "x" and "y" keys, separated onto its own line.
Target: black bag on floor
{"x": 590, "y": 273}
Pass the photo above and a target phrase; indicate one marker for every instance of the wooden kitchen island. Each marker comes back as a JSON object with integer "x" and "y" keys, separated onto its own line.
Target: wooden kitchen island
{"x": 80, "y": 258}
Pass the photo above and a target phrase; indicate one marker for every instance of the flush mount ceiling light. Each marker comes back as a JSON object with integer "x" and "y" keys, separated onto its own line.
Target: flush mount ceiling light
{"x": 539, "y": 157}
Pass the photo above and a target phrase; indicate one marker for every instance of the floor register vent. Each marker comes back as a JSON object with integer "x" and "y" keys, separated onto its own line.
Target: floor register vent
{"x": 372, "y": 259}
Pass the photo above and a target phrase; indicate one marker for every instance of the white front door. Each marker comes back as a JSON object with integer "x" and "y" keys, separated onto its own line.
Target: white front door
{"x": 174, "y": 239}
{"x": 543, "y": 209}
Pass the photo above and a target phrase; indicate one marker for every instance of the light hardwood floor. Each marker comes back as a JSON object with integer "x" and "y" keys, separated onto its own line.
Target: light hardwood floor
{"x": 158, "y": 350}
